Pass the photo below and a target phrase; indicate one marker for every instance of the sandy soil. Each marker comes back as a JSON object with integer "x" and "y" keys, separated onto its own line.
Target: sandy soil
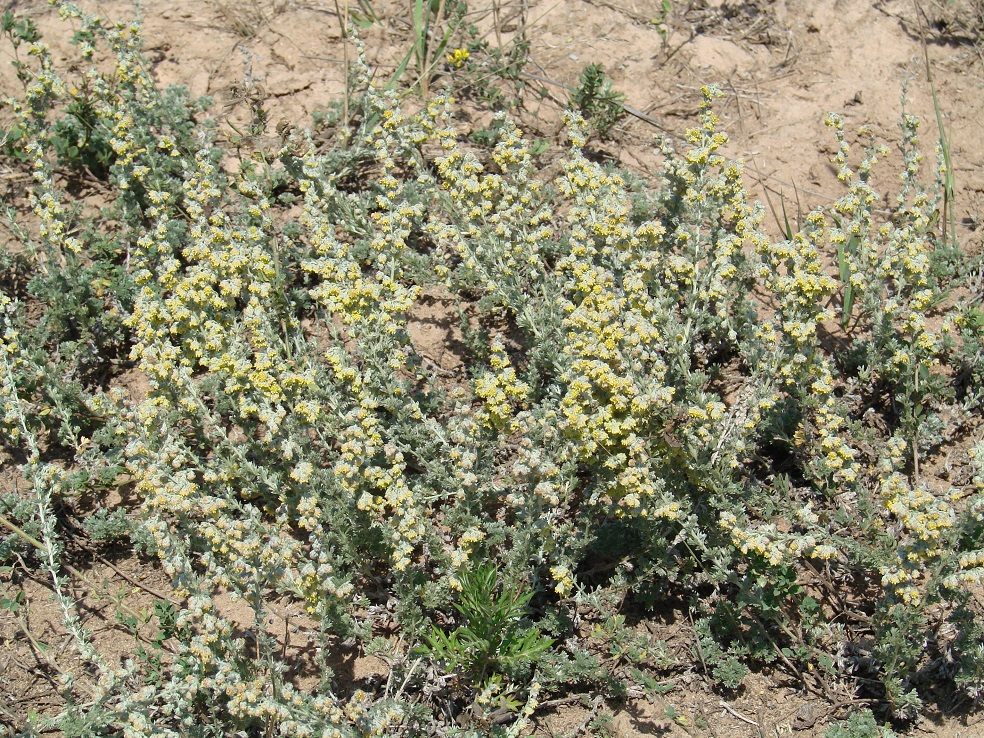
{"x": 781, "y": 64}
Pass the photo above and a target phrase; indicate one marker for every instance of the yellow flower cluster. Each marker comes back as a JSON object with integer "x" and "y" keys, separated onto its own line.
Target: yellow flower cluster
{"x": 794, "y": 269}
{"x": 889, "y": 267}
{"x": 223, "y": 378}
{"x": 776, "y": 547}
{"x": 371, "y": 300}
{"x": 375, "y": 473}
{"x": 563, "y": 579}
{"x": 458, "y": 57}
{"x": 835, "y": 454}
{"x": 613, "y": 346}
{"x": 500, "y": 389}
{"x": 498, "y": 222}
{"x": 924, "y": 522}
{"x": 460, "y": 556}
{"x": 210, "y": 314}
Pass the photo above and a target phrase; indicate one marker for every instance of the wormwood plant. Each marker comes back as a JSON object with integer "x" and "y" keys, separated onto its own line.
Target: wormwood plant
{"x": 493, "y": 642}
{"x": 493, "y": 638}
{"x": 652, "y": 407}
{"x": 859, "y": 724}
{"x": 596, "y": 100}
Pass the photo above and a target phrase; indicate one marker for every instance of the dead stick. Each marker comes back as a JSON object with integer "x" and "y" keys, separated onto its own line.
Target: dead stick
{"x": 737, "y": 714}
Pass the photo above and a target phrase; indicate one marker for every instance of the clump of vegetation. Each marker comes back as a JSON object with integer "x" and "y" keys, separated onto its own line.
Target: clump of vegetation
{"x": 859, "y": 725}
{"x": 653, "y": 409}
{"x": 598, "y": 102}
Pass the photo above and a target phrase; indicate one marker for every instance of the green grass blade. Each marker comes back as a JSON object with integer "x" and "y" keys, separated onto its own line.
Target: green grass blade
{"x": 845, "y": 275}
{"x": 949, "y": 181}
